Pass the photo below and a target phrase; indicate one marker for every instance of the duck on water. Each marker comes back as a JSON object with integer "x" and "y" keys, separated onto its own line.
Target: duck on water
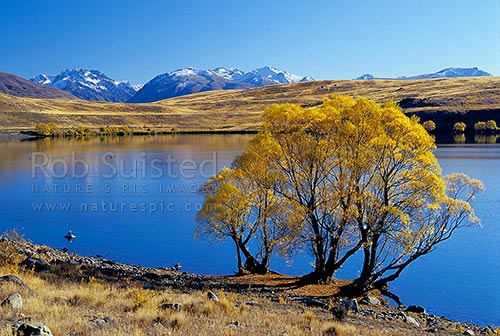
{"x": 70, "y": 236}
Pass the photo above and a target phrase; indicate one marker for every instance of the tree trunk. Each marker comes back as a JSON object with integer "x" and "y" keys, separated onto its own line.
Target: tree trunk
{"x": 360, "y": 285}
{"x": 251, "y": 264}
{"x": 238, "y": 254}
{"x": 318, "y": 274}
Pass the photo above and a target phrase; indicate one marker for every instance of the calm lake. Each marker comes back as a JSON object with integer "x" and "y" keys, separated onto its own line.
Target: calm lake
{"x": 134, "y": 199}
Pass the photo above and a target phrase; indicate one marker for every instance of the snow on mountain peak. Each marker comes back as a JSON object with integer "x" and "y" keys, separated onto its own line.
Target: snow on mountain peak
{"x": 42, "y": 79}
{"x": 89, "y": 84}
{"x": 457, "y": 72}
{"x": 189, "y": 71}
{"x": 230, "y": 73}
{"x": 269, "y": 75}
{"x": 444, "y": 73}
{"x": 94, "y": 85}
{"x": 190, "y": 80}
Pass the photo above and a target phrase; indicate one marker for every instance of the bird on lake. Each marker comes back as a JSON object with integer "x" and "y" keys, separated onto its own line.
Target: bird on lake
{"x": 70, "y": 236}
{"x": 177, "y": 267}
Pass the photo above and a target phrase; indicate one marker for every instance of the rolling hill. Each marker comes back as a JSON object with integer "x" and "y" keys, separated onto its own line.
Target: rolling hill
{"x": 444, "y": 100}
{"x": 20, "y": 87}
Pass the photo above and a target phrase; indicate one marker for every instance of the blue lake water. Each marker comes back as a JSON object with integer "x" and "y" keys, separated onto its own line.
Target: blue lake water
{"x": 134, "y": 199}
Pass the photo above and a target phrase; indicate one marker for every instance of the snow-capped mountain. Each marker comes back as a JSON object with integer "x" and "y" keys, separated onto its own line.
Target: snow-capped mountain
{"x": 230, "y": 74}
{"x": 445, "y": 73}
{"x": 366, "y": 76}
{"x": 185, "y": 81}
{"x": 89, "y": 85}
{"x": 268, "y": 76}
{"x": 190, "y": 80}
{"x": 455, "y": 72}
{"x": 42, "y": 79}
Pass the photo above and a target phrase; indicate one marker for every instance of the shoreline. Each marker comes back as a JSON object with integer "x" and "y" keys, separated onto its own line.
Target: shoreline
{"x": 24, "y": 135}
{"x": 50, "y": 263}
{"x": 442, "y": 136}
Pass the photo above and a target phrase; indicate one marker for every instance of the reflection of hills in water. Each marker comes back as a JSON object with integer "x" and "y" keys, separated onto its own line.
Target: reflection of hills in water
{"x": 17, "y": 154}
{"x": 193, "y": 146}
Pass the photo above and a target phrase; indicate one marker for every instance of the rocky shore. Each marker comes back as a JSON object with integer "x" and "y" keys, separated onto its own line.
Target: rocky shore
{"x": 272, "y": 293}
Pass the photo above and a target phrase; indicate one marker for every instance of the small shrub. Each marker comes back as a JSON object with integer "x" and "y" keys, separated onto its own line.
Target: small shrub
{"x": 429, "y": 125}
{"x": 47, "y": 129}
{"x": 339, "y": 313}
{"x": 9, "y": 250}
{"x": 459, "y": 127}
{"x": 224, "y": 303}
{"x": 140, "y": 300}
{"x": 489, "y": 126}
{"x": 177, "y": 321}
{"x": 309, "y": 317}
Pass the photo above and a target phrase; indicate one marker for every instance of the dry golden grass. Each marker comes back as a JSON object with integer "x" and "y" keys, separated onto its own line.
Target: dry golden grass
{"x": 67, "y": 303}
{"x": 67, "y": 307}
{"x": 242, "y": 110}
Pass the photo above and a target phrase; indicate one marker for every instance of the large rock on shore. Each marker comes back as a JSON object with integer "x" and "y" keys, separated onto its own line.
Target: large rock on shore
{"x": 33, "y": 329}
{"x": 14, "y": 301}
{"x": 370, "y": 300}
{"x": 35, "y": 264}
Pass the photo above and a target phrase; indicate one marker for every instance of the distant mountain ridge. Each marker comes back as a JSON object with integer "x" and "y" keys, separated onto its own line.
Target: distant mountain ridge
{"x": 94, "y": 85}
{"x": 445, "y": 73}
{"x": 20, "y": 87}
{"x": 191, "y": 80}
{"x": 89, "y": 85}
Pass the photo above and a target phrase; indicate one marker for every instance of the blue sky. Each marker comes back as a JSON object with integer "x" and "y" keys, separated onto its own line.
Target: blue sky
{"x": 137, "y": 40}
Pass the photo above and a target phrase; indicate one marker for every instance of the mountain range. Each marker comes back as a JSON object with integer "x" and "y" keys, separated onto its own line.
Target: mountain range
{"x": 190, "y": 80}
{"x": 445, "y": 73}
{"x": 89, "y": 85}
{"x": 94, "y": 85}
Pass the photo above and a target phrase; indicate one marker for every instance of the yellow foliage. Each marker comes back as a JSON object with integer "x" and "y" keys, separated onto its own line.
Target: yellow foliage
{"x": 47, "y": 129}
{"x": 347, "y": 174}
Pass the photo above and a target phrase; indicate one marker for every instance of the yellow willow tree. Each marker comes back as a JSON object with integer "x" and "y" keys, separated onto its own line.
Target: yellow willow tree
{"x": 407, "y": 207}
{"x": 311, "y": 153}
{"x": 225, "y": 212}
{"x": 362, "y": 176}
{"x": 427, "y": 227}
{"x": 240, "y": 204}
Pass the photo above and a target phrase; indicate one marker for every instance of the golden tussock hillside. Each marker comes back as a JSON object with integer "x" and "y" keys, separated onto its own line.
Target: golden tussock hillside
{"x": 447, "y": 100}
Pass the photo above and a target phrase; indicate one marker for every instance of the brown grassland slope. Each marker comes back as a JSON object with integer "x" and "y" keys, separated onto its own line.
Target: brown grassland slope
{"x": 445, "y": 101}
{"x": 90, "y": 296}
{"x": 17, "y": 86}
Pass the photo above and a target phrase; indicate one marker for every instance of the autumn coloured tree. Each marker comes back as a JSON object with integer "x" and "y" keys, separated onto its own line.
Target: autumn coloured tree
{"x": 429, "y": 125}
{"x": 344, "y": 177}
{"x": 241, "y": 205}
{"x": 47, "y": 129}
{"x": 459, "y": 127}
{"x": 489, "y": 126}
{"x": 225, "y": 213}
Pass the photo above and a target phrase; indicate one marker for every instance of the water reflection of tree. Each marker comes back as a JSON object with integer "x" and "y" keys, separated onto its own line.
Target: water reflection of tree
{"x": 459, "y": 138}
{"x": 481, "y": 138}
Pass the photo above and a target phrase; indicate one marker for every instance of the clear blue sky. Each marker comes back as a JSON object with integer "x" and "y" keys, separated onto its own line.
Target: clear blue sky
{"x": 137, "y": 40}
